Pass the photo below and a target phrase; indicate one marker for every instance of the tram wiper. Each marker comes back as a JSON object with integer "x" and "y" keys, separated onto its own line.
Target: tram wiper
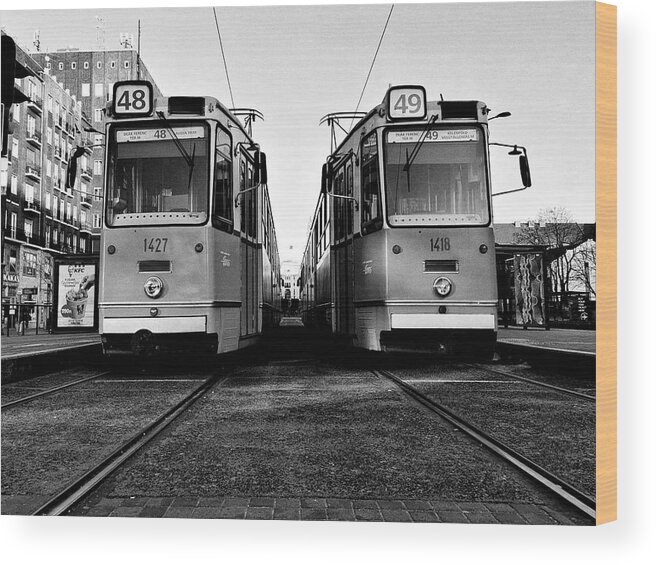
{"x": 410, "y": 158}
{"x": 188, "y": 159}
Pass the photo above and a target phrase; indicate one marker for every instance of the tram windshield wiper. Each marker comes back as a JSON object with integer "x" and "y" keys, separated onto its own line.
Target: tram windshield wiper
{"x": 189, "y": 159}
{"x": 410, "y": 157}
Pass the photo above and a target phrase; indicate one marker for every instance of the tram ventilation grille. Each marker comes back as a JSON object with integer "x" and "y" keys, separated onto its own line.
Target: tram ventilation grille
{"x": 440, "y": 266}
{"x": 154, "y": 266}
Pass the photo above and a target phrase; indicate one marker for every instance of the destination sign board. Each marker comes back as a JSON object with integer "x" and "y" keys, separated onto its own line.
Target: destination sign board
{"x": 132, "y": 99}
{"x": 159, "y": 134}
{"x": 433, "y": 136}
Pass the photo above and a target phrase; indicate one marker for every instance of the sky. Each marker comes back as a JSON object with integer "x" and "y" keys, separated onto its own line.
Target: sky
{"x": 297, "y": 63}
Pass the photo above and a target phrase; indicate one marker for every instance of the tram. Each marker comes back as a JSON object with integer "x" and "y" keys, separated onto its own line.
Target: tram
{"x": 189, "y": 259}
{"x": 400, "y": 254}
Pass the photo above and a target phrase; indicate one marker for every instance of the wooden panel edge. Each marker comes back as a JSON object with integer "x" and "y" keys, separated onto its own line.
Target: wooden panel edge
{"x": 606, "y": 218}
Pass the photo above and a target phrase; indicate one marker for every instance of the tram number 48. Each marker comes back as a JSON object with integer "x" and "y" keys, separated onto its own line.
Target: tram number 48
{"x": 440, "y": 244}
{"x": 133, "y": 100}
{"x": 155, "y": 244}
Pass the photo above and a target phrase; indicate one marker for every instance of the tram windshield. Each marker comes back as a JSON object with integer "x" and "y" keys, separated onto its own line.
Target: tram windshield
{"x": 442, "y": 181}
{"x": 158, "y": 174}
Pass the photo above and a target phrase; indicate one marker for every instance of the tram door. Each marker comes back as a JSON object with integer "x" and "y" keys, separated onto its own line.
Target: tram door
{"x": 343, "y": 237}
{"x": 250, "y": 282}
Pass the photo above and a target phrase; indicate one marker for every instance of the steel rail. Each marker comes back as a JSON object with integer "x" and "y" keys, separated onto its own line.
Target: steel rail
{"x": 64, "y": 501}
{"x": 555, "y": 484}
{"x": 532, "y": 381}
{"x": 51, "y": 390}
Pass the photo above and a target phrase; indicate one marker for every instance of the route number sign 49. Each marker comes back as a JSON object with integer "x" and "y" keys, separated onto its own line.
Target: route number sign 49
{"x": 406, "y": 103}
{"x": 133, "y": 99}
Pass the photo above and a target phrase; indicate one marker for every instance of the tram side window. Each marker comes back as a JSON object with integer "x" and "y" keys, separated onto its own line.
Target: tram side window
{"x": 223, "y": 217}
{"x": 372, "y": 216}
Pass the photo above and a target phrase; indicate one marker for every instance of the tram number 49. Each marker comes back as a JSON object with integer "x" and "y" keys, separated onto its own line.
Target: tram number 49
{"x": 155, "y": 244}
{"x": 440, "y": 244}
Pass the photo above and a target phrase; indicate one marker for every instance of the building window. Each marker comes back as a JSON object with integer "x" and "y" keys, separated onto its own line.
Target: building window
{"x": 86, "y": 64}
{"x": 97, "y": 191}
{"x": 96, "y": 220}
{"x": 98, "y": 115}
{"x": 98, "y": 167}
{"x": 29, "y": 229}
{"x": 47, "y": 234}
{"x": 69, "y": 217}
{"x": 15, "y": 110}
{"x": 49, "y": 135}
{"x": 98, "y": 89}
{"x": 112, "y": 65}
{"x": 99, "y": 65}
{"x": 73, "y": 65}
{"x": 14, "y": 184}
{"x": 47, "y": 201}
{"x": 29, "y": 192}
{"x": 49, "y": 106}
{"x": 126, "y": 64}
{"x": 74, "y": 213}
{"x": 61, "y": 66}
{"x": 48, "y": 168}
{"x": 83, "y": 245}
{"x": 14, "y": 148}
{"x": 29, "y": 259}
{"x": 86, "y": 89}
{"x": 55, "y": 236}
{"x": 98, "y": 140}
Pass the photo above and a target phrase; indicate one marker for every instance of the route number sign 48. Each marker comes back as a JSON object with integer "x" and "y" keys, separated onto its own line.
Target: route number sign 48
{"x": 133, "y": 99}
{"x": 407, "y": 103}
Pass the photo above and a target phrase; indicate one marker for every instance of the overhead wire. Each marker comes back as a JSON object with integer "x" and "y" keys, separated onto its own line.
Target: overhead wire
{"x": 373, "y": 62}
{"x": 225, "y": 64}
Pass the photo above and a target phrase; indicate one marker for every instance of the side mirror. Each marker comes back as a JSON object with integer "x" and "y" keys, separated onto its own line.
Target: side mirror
{"x": 325, "y": 178}
{"x": 261, "y": 169}
{"x": 524, "y": 170}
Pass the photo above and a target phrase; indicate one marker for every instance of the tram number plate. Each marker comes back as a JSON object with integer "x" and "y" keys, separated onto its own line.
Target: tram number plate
{"x": 155, "y": 244}
{"x": 440, "y": 244}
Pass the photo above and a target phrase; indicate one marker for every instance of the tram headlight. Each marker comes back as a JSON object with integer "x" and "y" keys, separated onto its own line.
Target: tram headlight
{"x": 442, "y": 286}
{"x": 153, "y": 287}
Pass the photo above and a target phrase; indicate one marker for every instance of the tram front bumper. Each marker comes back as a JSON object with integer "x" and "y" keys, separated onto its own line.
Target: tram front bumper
{"x": 163, "y": 325}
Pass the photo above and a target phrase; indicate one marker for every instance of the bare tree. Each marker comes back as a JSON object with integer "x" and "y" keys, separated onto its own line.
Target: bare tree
{"x": 584, "y": 266}
{"x": 556, "y": 229}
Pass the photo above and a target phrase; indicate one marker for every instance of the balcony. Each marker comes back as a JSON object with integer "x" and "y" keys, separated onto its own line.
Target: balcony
{"x": 58, "y": 184}
{"x": 33, "y": 171}
{"x": 58, "y": 122}
{"x": 85, "y": 172}
{"x": 34, "y": 137}
{"x": 86, "y": 200}
{"x": 32, "y": 206}
{"x": 18, "y": 234}
{"x": 58, "y": 153}
{"x": 86, "y": 227}
{"x": 35, "y": 103}
{"x": 70, "y": 131}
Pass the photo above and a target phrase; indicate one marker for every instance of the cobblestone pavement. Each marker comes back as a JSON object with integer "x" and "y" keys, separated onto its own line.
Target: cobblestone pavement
{"x": 319, "y": 509}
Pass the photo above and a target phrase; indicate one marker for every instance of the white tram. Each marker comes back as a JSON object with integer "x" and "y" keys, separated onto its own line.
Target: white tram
{"x": 401, "y": 250}
{"x": 189, "y": 259}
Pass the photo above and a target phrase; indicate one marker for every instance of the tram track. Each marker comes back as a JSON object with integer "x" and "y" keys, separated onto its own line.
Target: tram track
{"x": 49, "y": 391}
{"x": 507, "y": 374}
{"x": 555, "y": 484}
{"x": 69, "y": 496}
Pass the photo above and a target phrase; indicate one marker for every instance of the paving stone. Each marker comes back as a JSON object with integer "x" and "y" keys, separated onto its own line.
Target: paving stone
{"x": 152, "y": 512}
{"x": 559, "y": 517}
{"x": 365, "y": 504}
{"x": 113, "y": 502}
{"x": 368, "y": 515}
{"x": 509, "y": 517}
{"x": 164, "y": 501}
{"x": 423, "y": 516}
{"x": 261, "y": 502}
{"x": 338, "y": 503}
{"x": 445, "y": 506}
{"x": 287, "y": 514}
{"x": 499, "y": 507}
{"x": 343, "y": 514}
{"x": 190, "y": 501}
{"x": 396, "y": 516}
{"x": 100, "y": 511}
{"x": 481, "y": 517}
{"x": 314, "y": 514}
{"x": 136, "y": 501}
{"x": 473, "y": 507}
{"x": 208, "y": 512}
{"x": 126, "y": 511}
{"x": 179, "y": 512}
{"x": 452, "y": 517}
{"x": 287, "y": 503}
{"x": 313, "y": 503}
{"x": 261, "y": 513}
{"x": 231, "y": 512}
{"x": 213, "y": 501}
{"x": 391, "y": 505}
{"x": 417, "y": 505}
{"x": 230, "y": 501}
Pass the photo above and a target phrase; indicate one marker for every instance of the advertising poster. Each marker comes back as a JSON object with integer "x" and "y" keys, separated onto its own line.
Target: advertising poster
{"x": 76, "y": 295}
